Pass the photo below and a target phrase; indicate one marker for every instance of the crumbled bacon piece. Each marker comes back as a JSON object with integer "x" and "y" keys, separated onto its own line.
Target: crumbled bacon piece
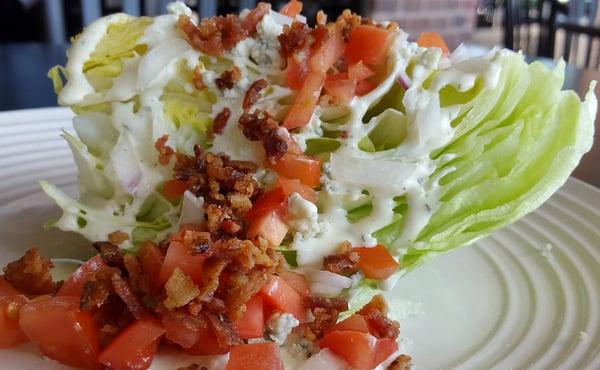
{"x": 344, "y": 262}
{"x": 348, "y": 21}
{"x": 180, "y": 290}
{"x": 224, "y": 330}
{"x": 118, "y": 237}
{"x": 326, "y": 312}
{"x": 124, "y": 291}
{"x": 97, "y": 289}
{"x": 220, "y": 121}
{"x": 402, "y": 362}
{"x": 110, "y": 253}
{"x": 242, "y": 287}
{"x": 165, "y": 152}
{"x": 197, "y": 79}
{"x": 294, "y": 39}
{"x": 30, "y": 274}
{"x": 260, "y": 126}
{"x": 228, "y": 79}
{"x": 211, "y": 271}
{"x": 214, "y": 35}
{"x": 375, "y": 313}
{"x": 255, "y": 16}
{"x": 253, "y": 93}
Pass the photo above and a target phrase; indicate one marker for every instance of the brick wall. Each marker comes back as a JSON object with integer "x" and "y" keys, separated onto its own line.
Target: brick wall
{"x": 453, "y": 19}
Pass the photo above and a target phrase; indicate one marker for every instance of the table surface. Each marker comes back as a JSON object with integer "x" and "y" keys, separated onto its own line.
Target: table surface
{"x": 23, "y": 84}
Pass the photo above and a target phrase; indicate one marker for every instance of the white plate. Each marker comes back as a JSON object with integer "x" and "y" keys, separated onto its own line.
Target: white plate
{"x": 526, "y": 297}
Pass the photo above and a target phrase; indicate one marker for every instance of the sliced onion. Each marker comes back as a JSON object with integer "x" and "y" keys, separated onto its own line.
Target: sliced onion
{"x": 192, "y": 211}
{"x": 403, "y": 80}
{"x": 327, "y": 283}
{"x": 324, "y": 359}
{"x": 126, "y": 165}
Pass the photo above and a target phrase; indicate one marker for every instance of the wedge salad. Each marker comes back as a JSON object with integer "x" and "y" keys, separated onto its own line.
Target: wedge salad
{"x": 252, "y": 184}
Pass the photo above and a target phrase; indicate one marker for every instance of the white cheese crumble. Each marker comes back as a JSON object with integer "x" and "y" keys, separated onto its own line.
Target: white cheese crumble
{"x": 303, "y": 216}
{"x": 280, "y": 325}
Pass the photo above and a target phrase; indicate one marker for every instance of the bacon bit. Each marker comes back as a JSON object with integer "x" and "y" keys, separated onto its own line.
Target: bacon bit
{"x": 375, "y": 313}
{"x": 255, "y": 16}
{"x": 180, "y": 290}
{"x": 228, "y": 79}
{"x": 344, "y": 262}
{"x": 211, "y": 271}
{"x": 118, "y": 237}
{"x": 402, "y": 362}
{"x": 30, "y": 274}
{"x": 339, "y": 304}
{"x": 164, "y": 152}
{"x": 197, "y": 79}
{"x": 220, "y": 121}
{"x": 214, "y": 35}
{"x": 241, "y": 288}
{"x": 110, "y": 253}
{"x": 124, "y": 291}
{"x": 260, "y": 126}
{"x": 292, "y": 8}
{"x": 348, "y": 21}
{"x": 294, "y": 39}
{"x": 326, "y": 312}
{"x": 215, "y": 305}
{"x": 139, "y": 283}
{"x": 97, "y": 289}
{"x": 224, "y": 330}
{"x": 321, "y": 17}
{"x": 253, "y": 93}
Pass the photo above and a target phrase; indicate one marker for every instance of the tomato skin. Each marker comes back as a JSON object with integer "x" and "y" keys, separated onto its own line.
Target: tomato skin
{"x": 6, "y": 288}
{"x": 292, "y": 8}
{"x": 297, "y": 281}
{"x": 178, "y": 256}
{"x": 11, "y": 333}
{"x": 385, "y": 348}
{"x": 359, "y": 71}
{"x": 368, "y": 44}
{"x": 432, "y": 40}
{"x": 151, "y": 258}
{"x": 291, "y": 186}
{"x": 273, "y": 200}
{"x": 376, "y": 262}
{"x": 305, "y": 102}
{"x": 328, "y": 53}
{"x": 342, "y": 90}
{"x": 252, "y": 322}
{"x": 134, "y": 346}
{"x": 181, "y": 330}
{"x": 206, "y": 343}
{"x": 358, "y": 349}
{"x": 301, "y": 167}
{"x": 270, "y": 226}
{"x": 280, "y": 295}
{"x": 257, "y": 356}
{"x": 295, "y": 73}
{"x": 61, "y": 331}
{"x": 364, "y": 87}
{"x": 174, "y": 189}
{"x": 355, "y": 322}
{"x": 73, "y": 286}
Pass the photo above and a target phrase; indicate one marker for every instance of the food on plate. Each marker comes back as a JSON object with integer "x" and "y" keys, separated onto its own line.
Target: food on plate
{"x": 252, "y": 184}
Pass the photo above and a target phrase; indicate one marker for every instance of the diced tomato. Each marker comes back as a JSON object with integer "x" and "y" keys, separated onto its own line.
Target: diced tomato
{"x": 178, "y": 256}
{"x": 273, "y": 200}
{"x": 252, "y": 322}
{"x": 280, "y": 295}
{"x": 270, "y": 226}
{"x": 61, "y": 330}
{"x": 291, "y": 186}
{"x": 206, "y": 344}
{"x": 11, "y": 333}
{"x": 384, "y": 349}
{"x": 297, "y": 281}
{"x": 295, "y": 73}
{"x": 73, "y": 286}
{"x": 174, "y": 189}
{"x": 342, "y": 90}
{"x": 376, "y": 262}
{"x": 336, "y": 76}
{"x": 359, "y": 71}
{"x": 328, "y": 53}
{"x": 358, "y": 349}
{"x": 257, "y": 356}
{"x": 355, "y": 322}
{"x": 305, "y": 102}
{"x": 292, "y": 8}
{"x": 364, "y": 87}
{"x": 6, "y": 288}
{"x": 152, "y": 259}
{"x": 133, "y": 346}
{"x": 432, "y": 40}
{"x": 369, "y": 44}
{"x": 301, "y": 167}
{"x": 182, "y": 328}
